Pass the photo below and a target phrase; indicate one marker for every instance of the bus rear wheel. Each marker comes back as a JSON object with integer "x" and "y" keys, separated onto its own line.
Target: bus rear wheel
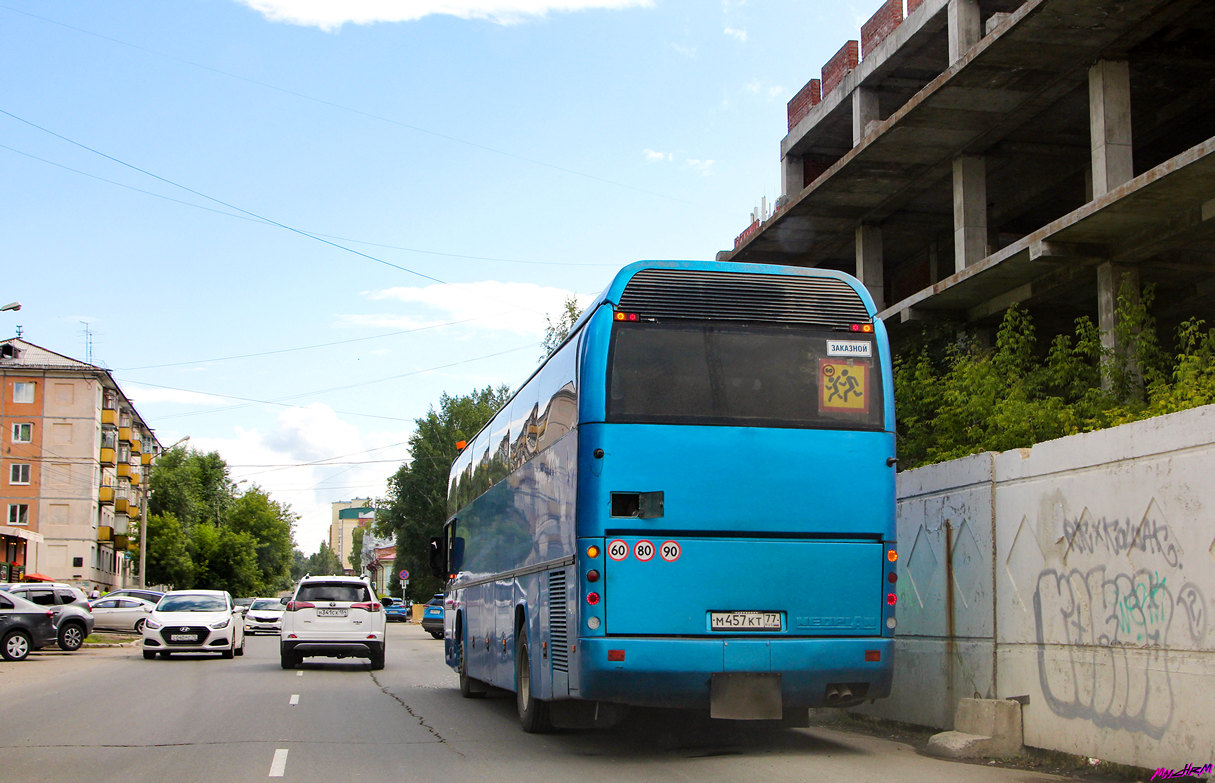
{"x": 533, "y": 713}
{"x": 469, "y": 688}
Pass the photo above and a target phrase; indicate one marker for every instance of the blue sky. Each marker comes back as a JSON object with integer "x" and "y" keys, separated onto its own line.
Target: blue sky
{"x": 290, "y": 225}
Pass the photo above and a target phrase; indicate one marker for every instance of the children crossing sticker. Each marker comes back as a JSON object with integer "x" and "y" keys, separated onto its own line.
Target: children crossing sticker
{"x": 843, "y": 386}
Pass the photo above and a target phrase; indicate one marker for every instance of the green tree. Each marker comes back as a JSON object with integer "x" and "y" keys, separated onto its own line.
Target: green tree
{"x": 268, "y": 524}
{"x": 416, "y": 506}
{"x": 356, "y": 549}
{"x": 324, "y": 562}
{"x": 555, "y": 332}
{"x": 169, "y": 561}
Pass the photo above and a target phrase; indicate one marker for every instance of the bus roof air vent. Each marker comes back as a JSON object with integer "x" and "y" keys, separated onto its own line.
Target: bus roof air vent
{"x": 740, "y": 296}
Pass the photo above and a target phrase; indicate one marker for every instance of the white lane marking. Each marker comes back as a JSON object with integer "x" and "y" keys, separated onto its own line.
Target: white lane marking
{"x": 295, "y": 699}
{"x": 279, "y": 765}
{"x": 299, "y": 674}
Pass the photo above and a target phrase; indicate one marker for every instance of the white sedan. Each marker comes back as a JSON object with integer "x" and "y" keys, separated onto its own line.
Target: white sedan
{"x": 265, "y": 615}
{"x": 194, "y": 621}
{"x": 124, "y": 613}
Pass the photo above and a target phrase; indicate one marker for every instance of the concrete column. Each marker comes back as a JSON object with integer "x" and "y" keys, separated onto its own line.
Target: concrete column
{"x": 791, "y": 175}
{"x": 1109, "y": 108}
{"x": 965, "y": 27}
{"x": 864, "y": 111}
{"x": 869, "y": 267}
{"x": 969, "y": 210}
{"x": 1110, "y": 277}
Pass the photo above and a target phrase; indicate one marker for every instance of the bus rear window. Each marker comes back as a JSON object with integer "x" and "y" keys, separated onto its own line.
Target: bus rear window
{"x": 743, "y": 375}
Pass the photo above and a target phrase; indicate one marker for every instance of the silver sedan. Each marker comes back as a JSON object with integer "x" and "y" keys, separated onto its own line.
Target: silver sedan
{"x": 124, "y": 613}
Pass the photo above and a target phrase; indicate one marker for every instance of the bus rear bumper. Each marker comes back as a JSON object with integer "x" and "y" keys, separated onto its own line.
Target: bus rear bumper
{"x": 680, "y": 672}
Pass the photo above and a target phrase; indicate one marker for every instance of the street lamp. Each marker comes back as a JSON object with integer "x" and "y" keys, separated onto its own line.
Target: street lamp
{"x": 11, "y": 306}
{"x": 147, "y": 512}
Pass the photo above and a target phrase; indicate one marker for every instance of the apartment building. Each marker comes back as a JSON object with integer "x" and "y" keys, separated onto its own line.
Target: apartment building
{"x": 347, "y": 515}
{"x": 960, "y": 156}
{"x": 74, "y": 462}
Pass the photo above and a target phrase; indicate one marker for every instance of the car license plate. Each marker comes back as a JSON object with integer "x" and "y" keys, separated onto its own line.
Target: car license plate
{"x": 745, "y": 621}
{"x": 183, "y": 637}
{"x": 330, "y": 612}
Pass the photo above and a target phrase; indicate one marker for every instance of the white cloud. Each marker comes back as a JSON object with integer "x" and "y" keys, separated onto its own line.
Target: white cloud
{"x": 654, "y": 156}
{"x": 771, "y": 91}
{"x": 704, "y": 167}
{"x": 741, "y": 35}
{"x": 518, "y": 308}
{"x": 330, "y": 15}
{"x": 275, "y": 461}
{"x": 685, "y": 51}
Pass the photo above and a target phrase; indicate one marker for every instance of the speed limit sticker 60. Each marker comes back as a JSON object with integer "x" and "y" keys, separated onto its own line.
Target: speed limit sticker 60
{"x": 643, "y": 551}
{"x": 670, "y": 551}
{"x": 618, "y": 550}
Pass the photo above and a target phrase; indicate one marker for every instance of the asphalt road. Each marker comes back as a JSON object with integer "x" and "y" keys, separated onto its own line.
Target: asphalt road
{"x": 106, "y": 714}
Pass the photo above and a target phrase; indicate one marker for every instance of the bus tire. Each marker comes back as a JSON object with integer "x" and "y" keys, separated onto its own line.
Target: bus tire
{"x": 469, "y": 688}
{"x": 533, "y": 713}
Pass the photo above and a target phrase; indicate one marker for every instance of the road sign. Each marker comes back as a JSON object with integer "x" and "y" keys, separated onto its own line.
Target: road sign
{"x": 404, "y": 574}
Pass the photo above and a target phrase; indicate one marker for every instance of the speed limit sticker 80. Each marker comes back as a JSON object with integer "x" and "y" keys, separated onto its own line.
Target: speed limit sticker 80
{"x": 643, "y": 550}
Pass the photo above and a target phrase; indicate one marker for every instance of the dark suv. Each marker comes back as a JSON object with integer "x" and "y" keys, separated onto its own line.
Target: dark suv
{"x": 23, "y": 627}
{"x": 73, "y": 618}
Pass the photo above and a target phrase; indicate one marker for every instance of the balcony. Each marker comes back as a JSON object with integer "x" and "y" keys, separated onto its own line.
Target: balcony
{"x": 105, "y": 533}
{"x": 124, "y": 470}
{"x": 121, "y": 543}
{"x": 136, "y": 446}
{"x": 121, "y": 505}
{"x": 109, "y": 416}
{"x": 124, "y": 434}
{"x": 145, "y": 458}
{"x": 133, "y": 511}
{"x": 108, "y": 455}
{"x": 105, "y": 495}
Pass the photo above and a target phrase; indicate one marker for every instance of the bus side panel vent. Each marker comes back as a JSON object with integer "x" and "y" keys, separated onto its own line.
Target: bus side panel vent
{"x": 741, "y": 296}
{"x": 559, "y": 622}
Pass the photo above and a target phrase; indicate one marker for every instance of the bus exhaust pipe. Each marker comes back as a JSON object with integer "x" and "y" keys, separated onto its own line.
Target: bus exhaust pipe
{"x": 839, "y": 694}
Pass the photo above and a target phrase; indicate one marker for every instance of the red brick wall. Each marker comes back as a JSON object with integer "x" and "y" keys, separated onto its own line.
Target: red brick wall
{"x": 838, "y": 66}
{"x": 808, "y": 96}
{"x": 880, "y": 25}
{"x": 912, "y": 5}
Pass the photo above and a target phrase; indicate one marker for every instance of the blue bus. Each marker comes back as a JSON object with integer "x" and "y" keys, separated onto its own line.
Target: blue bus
{"x": 689, "y": 504}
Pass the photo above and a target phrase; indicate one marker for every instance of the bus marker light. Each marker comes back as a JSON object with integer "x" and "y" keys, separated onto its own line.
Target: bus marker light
{"x": 891, "y": 623}
{"x": 592, "y": 623}
{"x": 892, "y": 555}
{"x": 616, "y": 655}
{"x": 592, "y": 551}
{"x": 626, "y": 316}
{"x": 873, "y": 655}
{"x": 891, "y": 599}
{"x": 592, "y": 598}
{"x": 592, "y": 575}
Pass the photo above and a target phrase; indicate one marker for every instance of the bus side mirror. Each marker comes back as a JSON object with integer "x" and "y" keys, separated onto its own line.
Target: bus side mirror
{"x": 438, "y": 559}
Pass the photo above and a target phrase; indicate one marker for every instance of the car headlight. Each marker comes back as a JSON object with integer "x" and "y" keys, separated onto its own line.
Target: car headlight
{"x": 152, "y": 624}
{"x": 221, "y": 624}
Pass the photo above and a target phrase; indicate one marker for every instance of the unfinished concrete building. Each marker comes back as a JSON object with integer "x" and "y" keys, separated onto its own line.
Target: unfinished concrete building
{"x": 966, "y": 155}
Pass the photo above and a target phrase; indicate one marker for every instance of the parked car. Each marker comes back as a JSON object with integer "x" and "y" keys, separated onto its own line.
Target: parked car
{"x": 334, "y": 616}
{"x": 398, "y": 611}
{"x": 24, "y": 626}
{"x": 152, "y": 596}
{"x": 73, "y": 619}
{"x": 265, "y": 615}
{"x": 194, "y": 621}
{"x": 432, "y": 616}
{"x": 122, "y": 613}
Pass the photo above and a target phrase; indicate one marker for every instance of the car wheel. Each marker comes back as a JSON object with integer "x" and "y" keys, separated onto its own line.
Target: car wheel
{"x": 16, "y": 646}
{"x": 71, "y": 636}
{"x": 437, "y": 634}
{"x": 377, "y": 659}
{"x": 533, "y": 713}
{"x": 241, "y": 650}
{"x": 149, "y": 655}
{"x": 139, "y": 626}
{"x": 469, "y": 688}
{"x": 228, "y": 653}
{"x": 289, "y": 660}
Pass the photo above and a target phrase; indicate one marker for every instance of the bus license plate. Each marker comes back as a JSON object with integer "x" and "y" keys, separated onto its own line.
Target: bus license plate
{"x": 745, "y": 621}
{"x": 330, "y": 612}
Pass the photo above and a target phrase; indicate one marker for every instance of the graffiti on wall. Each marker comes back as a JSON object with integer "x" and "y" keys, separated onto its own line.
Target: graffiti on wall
{"x": 1106, "y": 633}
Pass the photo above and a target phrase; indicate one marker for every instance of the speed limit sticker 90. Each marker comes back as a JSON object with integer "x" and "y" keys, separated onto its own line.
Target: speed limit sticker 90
{"x": 643, "y": 551}
{"x": 618, "y": 550}
{"x": 669, "y": 551}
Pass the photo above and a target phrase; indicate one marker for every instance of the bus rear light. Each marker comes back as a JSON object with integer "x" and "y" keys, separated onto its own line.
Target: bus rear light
{"x": 592, "y": 575}
{"x": 873, "y": 655}
{"x": 616, "y": 655}
{"x": 892, "y": 577}
{"x": 891, "y": 599}
{"x": 592, "y": 623}
{"x": 592, "y": 598}
{"x": 863, "y": 328}
{"x": 892, "y": 556}
{"x": 626, "y": 316}
{"x": 592, "y": 551}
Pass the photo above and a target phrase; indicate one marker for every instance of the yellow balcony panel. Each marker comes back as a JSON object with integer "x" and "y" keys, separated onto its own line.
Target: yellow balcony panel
{"x": 105, "y": 494}
{"x": 136, "y": 447}
{"x": 134, "y": 512}
{"x": 121, "y": 543}
{"x": 108, "y": 456}
{"x": 146, "y": 459}
{"x": 124, "y": 434}
{"x": 124, "y": 470}
{"x": 109, "y": 416}
{"x": 120, "y": 505}
{"x": 105, "y": 533}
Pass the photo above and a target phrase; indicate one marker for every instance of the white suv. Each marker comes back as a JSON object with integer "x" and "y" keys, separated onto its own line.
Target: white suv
{"x": 334, "y": 616}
